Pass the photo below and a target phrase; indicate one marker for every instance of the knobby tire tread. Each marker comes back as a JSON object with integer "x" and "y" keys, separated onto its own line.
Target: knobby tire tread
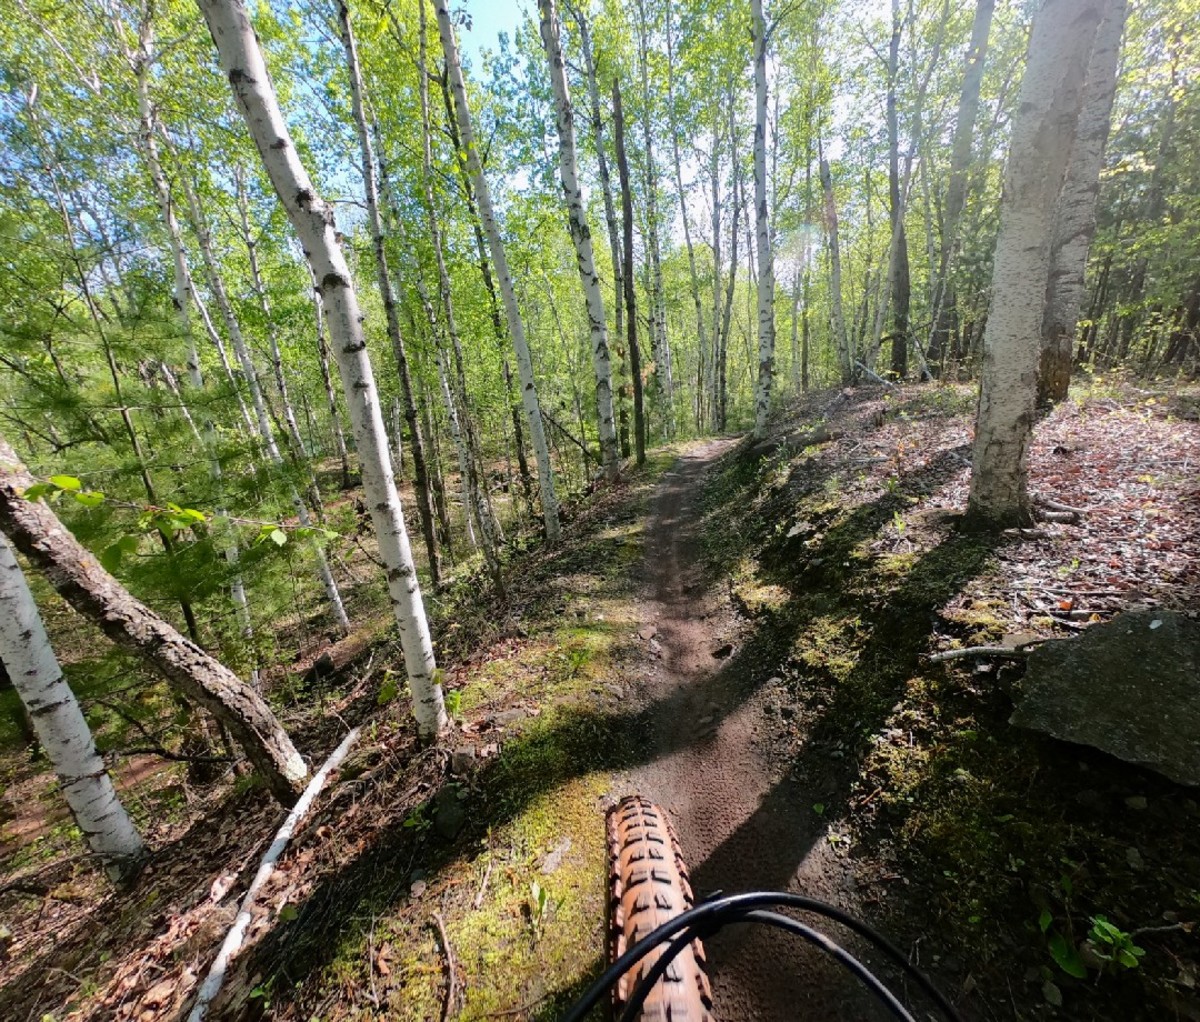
{"x": 648, "y": 886}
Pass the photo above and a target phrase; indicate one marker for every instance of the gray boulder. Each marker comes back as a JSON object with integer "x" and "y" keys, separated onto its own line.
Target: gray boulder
{"x": 1129, "y": 687}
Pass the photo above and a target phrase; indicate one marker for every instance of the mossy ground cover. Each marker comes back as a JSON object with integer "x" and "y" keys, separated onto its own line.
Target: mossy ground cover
{"x": 991, "y": 852}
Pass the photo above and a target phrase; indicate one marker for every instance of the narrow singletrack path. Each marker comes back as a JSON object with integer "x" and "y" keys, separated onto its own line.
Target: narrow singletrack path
{"x": 742, "y": 822}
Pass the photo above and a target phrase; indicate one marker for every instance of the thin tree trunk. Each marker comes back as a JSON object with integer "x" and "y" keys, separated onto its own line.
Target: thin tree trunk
{"x": 312, "y": 218}
{"x": 1075, "y": 214}
{"x": 335, "y": 416}
{"x": 263, "y": 422}
{"x": 956, "y": 191}
{"x": 610, "y": 219}
{"x": 36, "y": 531}
{"x": 1043, "y": 130}
{"x": 384, "y": 281}
{"x": 837, "y": 319}
{"x": 491, "y": 229}
{"x": 581, "y": 236}
{"x": 61, "y": 728}
{"x": 635, "y": 361}
{"x": 701, "y": 331}
{"x": 659, "y": 343}
{"x": 477, "y": 505}
{"x": 762, "y": 222}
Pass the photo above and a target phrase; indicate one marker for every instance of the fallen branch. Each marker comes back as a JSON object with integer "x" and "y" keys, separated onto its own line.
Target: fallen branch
{"x": 477, "y": 904}
{"x": 875, "y": 376}
{"x": 237, "y": 933}
{"x": 1054, "y": 505}
{"x": 1013, "y": 652}
{"x": 451, "y": 969}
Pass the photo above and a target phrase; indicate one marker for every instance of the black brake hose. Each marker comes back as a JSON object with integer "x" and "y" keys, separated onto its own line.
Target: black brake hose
{"x": 775, "y": 919}
{"x": 706, "y": 918}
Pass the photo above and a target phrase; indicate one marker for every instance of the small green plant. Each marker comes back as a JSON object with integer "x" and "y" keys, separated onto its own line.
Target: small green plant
{"x": 540, "y": 907}
{"x": 898, "y": 522}
{"x": 418, "y": 819}
{"x": 453, "y": 702}
{"x": 1112, "y": 945}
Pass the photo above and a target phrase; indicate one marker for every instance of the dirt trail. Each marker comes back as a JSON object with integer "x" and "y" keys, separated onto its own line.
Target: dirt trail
{"x": 743, "y": 823}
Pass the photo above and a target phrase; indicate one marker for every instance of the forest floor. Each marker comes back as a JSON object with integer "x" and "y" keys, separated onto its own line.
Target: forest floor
{"x": 742, "y": 633}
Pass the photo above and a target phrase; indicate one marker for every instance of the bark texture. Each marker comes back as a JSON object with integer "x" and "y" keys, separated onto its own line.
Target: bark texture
{"x": 581, "y": 237}
{"x": 35, "y": 530}
{"x": 1075, "y": 215}
{"x": 762, "y": 228}
{"x": 1048, "y": 109}
{"x": 491, "y": 230}
{"x": 60, "y": 726}
{"x": 312, "y": 218}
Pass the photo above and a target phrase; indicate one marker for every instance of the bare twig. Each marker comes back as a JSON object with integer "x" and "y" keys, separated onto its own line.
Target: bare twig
{"x": 487, "y": 875}
{"x": 1013, "y": 652}
{"x": 1054, "y": 505}
{"x": 451, "y": 968}
{"x": 237, "y": 933}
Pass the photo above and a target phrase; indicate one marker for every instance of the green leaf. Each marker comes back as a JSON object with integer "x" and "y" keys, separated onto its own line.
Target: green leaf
{"x": 39, "y": 490}
{"x": 388, "y": 690}
{"x": 1044, "y": 920}
{"x": 278, "y": 537}
{"x": 66, "y": 482}
{"x": 111, "y": 556}
{"x": 288, "y": 913}
{"x": 1066, "y": 957}
{"x": 89, "y": 498}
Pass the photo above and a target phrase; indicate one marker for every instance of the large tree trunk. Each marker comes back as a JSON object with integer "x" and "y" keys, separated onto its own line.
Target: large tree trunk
{"x": 491, "y": 229}
{"x": 898, "y": 271}
{"x": 36, "y": 531}
{"x": 837, "y": 318}
{"x": 1051, "y": 96}
{"x": 581, "y": 236}
{"x": 420, "y": 472}
{"x": 312, "y": 218}
{"x": 61, "y": 728}
{"x": 956, "y": 191}
{"x": 1075, "y": 214}
{"x": 762, "y": 222}
{"x": 635, "y": 360}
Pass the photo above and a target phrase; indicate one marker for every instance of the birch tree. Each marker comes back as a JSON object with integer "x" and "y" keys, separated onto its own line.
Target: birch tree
{"x": 762, "y": 223}
{"x": 388, "y": 297}
{"x": 1043, "y": 130}
{"x": 581, "y": 237}
{"x": 34, "y": 529}
{"x": 1075, "y": 215}
{"x": 491, "y": 229}
{"x": 242, "y": 61}
{"x": 635, "y": 358}
{"x": 262, "y": 420}
{"x": 61, "y": 728}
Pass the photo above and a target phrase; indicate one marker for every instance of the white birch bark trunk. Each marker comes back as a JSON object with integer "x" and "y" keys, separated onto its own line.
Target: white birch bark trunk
{"x": 1075, "y": 215}
{"x": 312, "y": 218}
{"x": 491, "y": 229}
{"x": 264, "y": 428}
{"x": 1043, "y": 130}
{"x": 581, "y": 236}
{"x": 476, "y": 504}
{"x": 610, "y": 211}
{"x": 762, "y": 221}
{"x": 61, "y": 728}
{"x": 335, "y": 416}
{"x": 34, "y": 529}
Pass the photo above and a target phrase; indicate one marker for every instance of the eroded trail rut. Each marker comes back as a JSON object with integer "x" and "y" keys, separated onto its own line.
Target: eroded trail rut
{"x": 743, "y": 822}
